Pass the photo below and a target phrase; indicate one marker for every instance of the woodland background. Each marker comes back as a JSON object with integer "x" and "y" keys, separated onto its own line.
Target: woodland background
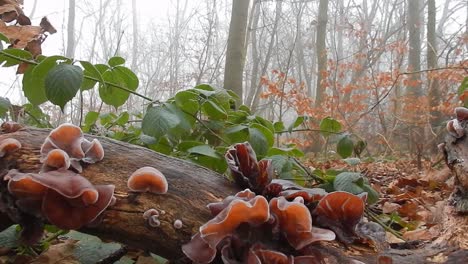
{"x": 365, "y": 63}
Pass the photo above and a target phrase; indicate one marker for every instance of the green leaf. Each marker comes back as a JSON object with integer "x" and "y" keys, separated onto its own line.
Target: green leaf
{"x": 329, "y": 126}
{"x": 158, "y": 121}
{"x": 107, "y": 118}
{"x": 39, "y": 74}
{"x": 345, "y": 147}
{"x": 267, "y": 133}
{"x": 352, "y": 161}
{"x": 4, "y": 105}
{"x": 90, "y": 119}
{"x": 9, "y": 237}
{"x": 462, "y": 89}
{"x": 4, "y": 39}
{"x": 259, "y": 141}
{"x": 294, "y": 152}
{"x": 213, "y": 110}
{"x": 123, "y": 119}
{"x": 120, "y": 76}
{"x": 188, "y": 101}
{"x": 115, "y": 61}
{"x": 279, "y": 126}
{"x": 236, "y": 133}
{"x": 283, "y": 166}
{"x": 30, "y": 89}
{"x": 90, "y": 71}
{"x": 62, "y": 83}
{"x": 12, "y": 57}
{"x": 351, "y": 182}
{"x": 91, "y": 249}
{"x": 129, "y": 77}
{"x": 299, "y": 120}
{"x": 204, "y": 150}
{"x": 372, "y": 195}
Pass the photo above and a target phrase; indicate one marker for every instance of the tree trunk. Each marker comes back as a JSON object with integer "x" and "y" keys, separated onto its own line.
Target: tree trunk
{"x": 235, "y": 54}
{"x": 434, "y": 93}
{"x": 135, "y": 36}
{"x": 191, "y": 188}
{"x": 70, "y": 53}
{"x": 414, "y": 54}
{"x": 321, "y": 51}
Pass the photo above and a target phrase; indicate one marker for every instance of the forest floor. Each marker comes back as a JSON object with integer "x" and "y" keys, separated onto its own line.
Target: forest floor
{"x": 412, "y": 204}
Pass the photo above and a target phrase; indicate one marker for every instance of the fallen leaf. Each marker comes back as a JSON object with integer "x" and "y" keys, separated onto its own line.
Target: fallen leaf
{"x": 61, "y": 253}
{"x": 419, "y": 234}
{"x": 389, "y": 207}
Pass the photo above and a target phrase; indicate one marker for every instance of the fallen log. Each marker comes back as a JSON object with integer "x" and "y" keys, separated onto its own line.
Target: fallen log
{"x": 191, "y": 188}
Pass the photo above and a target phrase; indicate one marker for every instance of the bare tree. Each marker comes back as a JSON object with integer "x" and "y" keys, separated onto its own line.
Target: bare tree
{"x": 434, "y": 94}
{"x": 70, "y": 53}
{"x": 235, "y": 54}
{"x": 321, "y": 51}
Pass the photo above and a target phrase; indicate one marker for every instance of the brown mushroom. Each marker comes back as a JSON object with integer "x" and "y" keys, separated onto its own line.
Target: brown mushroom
{"x": 93, "y": 150}
{"x": 66, "y": 137}
{"x": 178, "y": 224}
{"x": 9, "y": 145}
{"x": 253, "y": 212}
{"x": 341, "y": 212}
{"x": 150, "y": 212}
{"x": 66, "y": 183}
{"x": 57, "y": 159}
{"x": 198, "y": 250}
{"x": 147, "y": 179}
{"x": 63, "y": 212}
{"x": 294, "y": 221}
{"x": 461, "y": 113}
{"x": 10, "y": 126}
{"x": 217, "y": 207}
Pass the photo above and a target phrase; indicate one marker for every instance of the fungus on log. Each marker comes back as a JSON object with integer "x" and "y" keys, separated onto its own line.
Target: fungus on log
{"x": 455, "y": 149}
{"x": 192, "y": 188}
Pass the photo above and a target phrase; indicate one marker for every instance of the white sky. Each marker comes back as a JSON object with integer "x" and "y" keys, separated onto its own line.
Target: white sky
{"x": 155, "y": 11}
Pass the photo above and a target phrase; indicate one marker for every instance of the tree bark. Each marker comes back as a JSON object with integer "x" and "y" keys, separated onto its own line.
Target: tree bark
{"x": 434, "y": 93}
{"x": 321, "y": 51}
{"x": 235, "y": 54}
{"x": 70, "y": 53}
{"x": 191, "y": 188}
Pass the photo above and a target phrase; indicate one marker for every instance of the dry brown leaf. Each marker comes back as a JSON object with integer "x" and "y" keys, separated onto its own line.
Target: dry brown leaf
{"x": 61, "y": 253}
{"x": 7, "y": 8}
{"x": 391, "y": 238}
{"x": 20, "y": 35}
{"x": 9, "y": 16}
{"x": 23, "y": 20}
{"x": 389, "y": 207}
{"x": 419, "y": 234}
{"x": 47, "y": 26}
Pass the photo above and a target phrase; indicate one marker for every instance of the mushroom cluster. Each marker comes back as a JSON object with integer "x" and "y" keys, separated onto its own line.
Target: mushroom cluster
{"x": 74, "y": 147}
{"x": 454, "y": 126}
{"x": 273, "y": 220}
{"x": 56, "y": 194}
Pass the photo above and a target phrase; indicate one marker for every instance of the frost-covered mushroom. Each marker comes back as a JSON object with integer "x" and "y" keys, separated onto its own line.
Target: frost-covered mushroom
{"x": 57, "y": 159}
{"x": 294, "y": 221}
{"x": 147, "y": 179}
{"x": 10, "y": 126}
{"x": 253, "y": 212}
{"x": 9, "y": 145}
{"x": 66, "y": 183}
{"x": 62, "y": 212}
{"x": 150, "y": 212}
{"x": 217, "y": 207}
{"x": 341, "y": 212}
{"x": 461, "y": 113}
{"x": 93, "y": 150}
{"x": 178, "y": 224}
